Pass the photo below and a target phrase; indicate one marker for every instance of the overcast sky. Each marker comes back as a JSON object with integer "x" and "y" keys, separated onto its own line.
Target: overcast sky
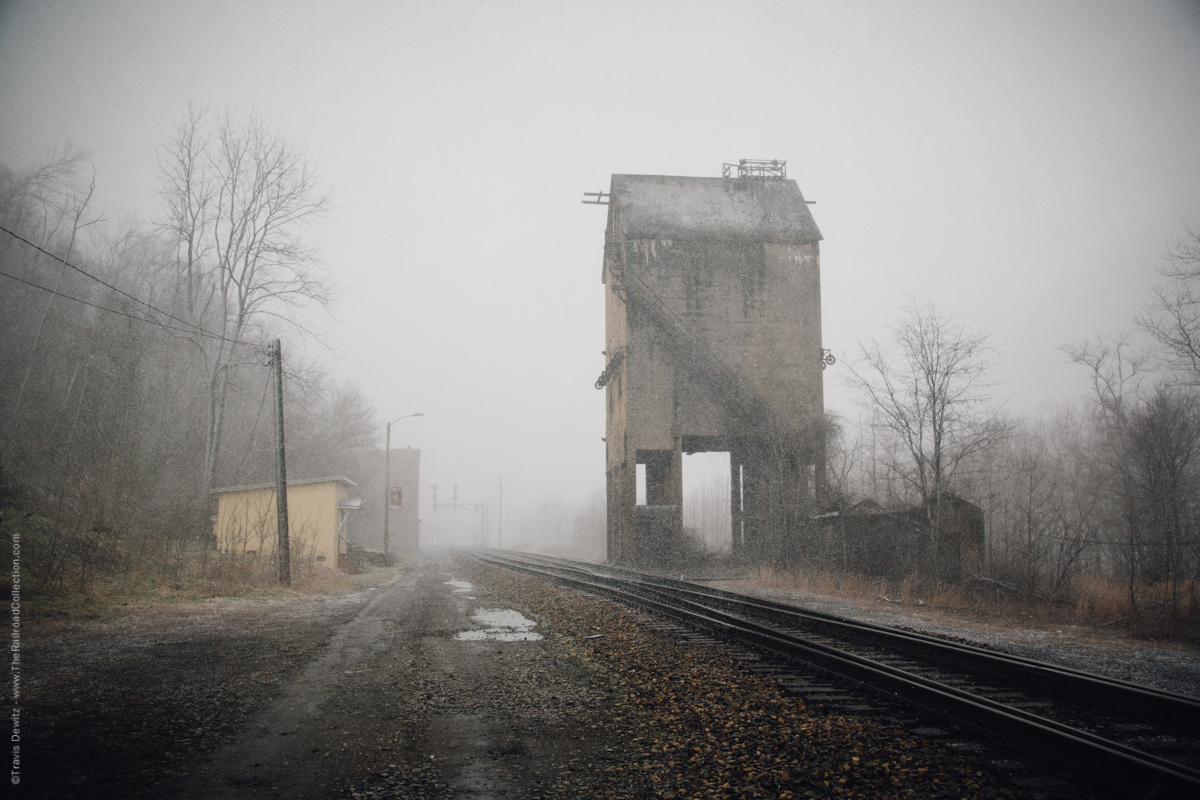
{"x": 1022, "y": 165}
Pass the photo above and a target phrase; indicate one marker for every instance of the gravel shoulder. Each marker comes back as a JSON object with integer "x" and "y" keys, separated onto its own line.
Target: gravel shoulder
{"x": 301, "y": 697}
{"x": 118, "y": 702}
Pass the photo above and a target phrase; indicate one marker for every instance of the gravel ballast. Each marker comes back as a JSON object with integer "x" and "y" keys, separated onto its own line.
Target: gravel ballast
{"x": 689, "y": 721}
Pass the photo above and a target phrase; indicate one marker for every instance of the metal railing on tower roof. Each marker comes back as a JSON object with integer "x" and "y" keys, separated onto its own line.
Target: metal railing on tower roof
{"x": 756, "y": 168}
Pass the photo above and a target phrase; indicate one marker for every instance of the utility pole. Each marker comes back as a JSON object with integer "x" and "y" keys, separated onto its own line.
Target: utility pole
{"x": 500, "y": 522}
{"x": 283, "y": 551}
{"x": 387, "y": 492}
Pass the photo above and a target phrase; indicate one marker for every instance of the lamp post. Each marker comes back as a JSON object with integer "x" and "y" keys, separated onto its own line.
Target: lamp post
{"x": 387, "y": 485}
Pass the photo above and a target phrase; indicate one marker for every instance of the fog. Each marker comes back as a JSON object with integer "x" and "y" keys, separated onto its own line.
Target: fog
{"x": 1021, "y": 165}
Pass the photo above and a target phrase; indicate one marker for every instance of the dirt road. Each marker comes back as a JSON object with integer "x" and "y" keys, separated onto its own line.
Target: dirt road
{"x": 394, "y": 686}
{"x": 366, "y": 686}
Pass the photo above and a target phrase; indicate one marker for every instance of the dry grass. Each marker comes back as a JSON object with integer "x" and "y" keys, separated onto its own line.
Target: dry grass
{"x": 192, "y": 580}
{"x": 909, "y": 591}
{"x": 64, "y": 568}
{"x": 1157, "y": 612}
{"x": 198, "y": 574}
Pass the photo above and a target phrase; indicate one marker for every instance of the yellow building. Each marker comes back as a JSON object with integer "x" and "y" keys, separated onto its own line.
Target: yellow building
{"x": 318, "y": 509}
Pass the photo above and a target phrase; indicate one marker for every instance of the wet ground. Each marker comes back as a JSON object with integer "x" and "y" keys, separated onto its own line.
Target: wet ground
{"x": 420, "y": 677}
{"x": 295, "y": 699}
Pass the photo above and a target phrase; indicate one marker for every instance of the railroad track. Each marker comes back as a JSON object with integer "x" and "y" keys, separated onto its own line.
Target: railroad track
{"x": 1142, "y": 740}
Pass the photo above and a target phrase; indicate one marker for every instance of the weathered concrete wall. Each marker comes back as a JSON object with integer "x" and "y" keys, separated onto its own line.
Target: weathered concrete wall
{"x": 713, "y": 307}
{"x": 896, "y": 543}
{"x": 755, "y": 306}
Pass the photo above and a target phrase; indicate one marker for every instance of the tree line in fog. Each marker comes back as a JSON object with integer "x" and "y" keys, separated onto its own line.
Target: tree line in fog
{"x": 134, "y": 377}
{"x": 1106, "y": 487}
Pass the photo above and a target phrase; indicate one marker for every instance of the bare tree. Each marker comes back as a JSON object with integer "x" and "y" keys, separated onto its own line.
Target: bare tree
{"x": 929, "y": 392}
{"x": 1043, "y": 508}
{"x": 112, "y": 386}
{"x": 1163, "y": 449}
{"x": 1173, "y": 318}
{"x": 48, "y": 205}
{"x": 1150, "y": 448}
{"x": 239, "y": 197}
{"x": 928, "y": 388}
{"x": 40, "y": 202}
{"x": 842, "y": 459}
{"x": 1117, "y": 372}
{"x": 334, "y": 425}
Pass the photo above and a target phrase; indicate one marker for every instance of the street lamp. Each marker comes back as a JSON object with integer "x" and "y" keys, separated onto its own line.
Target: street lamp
{"x": 387, "y": 484}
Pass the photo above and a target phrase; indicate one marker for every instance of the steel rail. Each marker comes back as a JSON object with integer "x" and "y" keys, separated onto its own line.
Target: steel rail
{"x": 1140, "y": 701}
{"x": 1145, "y": 774}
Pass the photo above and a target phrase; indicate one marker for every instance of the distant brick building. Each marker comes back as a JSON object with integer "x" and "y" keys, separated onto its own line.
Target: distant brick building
{"x": 404, "y": 521}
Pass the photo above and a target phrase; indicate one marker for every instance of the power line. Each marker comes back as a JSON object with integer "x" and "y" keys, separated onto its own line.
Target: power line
{"x": 102, "y": 282}
{"x": 201, "y": 331}
{"x": 257, "y": 417}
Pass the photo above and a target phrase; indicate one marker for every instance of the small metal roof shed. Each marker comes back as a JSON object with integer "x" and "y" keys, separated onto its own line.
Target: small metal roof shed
{"x": 273, "y": 484}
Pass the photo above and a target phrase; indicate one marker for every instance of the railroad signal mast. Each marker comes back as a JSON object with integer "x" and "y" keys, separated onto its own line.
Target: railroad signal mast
{"x": 480, "y": 508}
